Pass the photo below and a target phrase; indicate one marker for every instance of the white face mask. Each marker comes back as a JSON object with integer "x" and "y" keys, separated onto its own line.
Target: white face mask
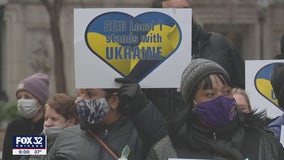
{"x": 27, "y": 107}
{"x": 52, "y": 132}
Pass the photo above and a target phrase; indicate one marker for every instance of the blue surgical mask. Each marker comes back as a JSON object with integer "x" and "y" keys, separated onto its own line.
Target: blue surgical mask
{"x": 93, "y": 111}
{"x": 218, "y": 112}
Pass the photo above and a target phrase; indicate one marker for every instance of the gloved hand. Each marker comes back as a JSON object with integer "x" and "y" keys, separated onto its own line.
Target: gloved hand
{"x": 131, "y": 98}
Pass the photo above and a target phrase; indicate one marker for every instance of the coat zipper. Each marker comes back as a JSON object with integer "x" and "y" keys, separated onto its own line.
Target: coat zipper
{"x": 214, "y": 136}
{"x": 105, "y": 135}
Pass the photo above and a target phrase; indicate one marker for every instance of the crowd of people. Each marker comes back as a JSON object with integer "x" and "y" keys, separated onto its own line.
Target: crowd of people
{"x": 210, "y": 117}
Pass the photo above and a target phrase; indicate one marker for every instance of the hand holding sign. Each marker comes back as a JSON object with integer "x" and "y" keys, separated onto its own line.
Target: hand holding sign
{"x": 131, "y": 98}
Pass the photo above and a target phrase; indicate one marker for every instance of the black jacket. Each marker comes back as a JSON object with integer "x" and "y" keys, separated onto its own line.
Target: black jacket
{"x": 236, "y": 142}
{"x": 19, "y": 126}
{"x": 216, "y": 47}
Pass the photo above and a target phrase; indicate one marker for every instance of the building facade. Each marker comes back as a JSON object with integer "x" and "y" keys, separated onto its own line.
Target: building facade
{"x": 254, "y": 26}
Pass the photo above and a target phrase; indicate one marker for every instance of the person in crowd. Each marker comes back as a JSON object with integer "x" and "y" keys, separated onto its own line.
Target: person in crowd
{"x": 60, "y": 113}
{"x": 244, "y": 105}
{"x": 281, "y": 55}
{"x": 242, "y": 99}
{"x": 211, "y": 127}
{"x": 210, "y": 45}
{"x": 114, "y": 123}
{"x": 3, "y": 96}
{"x": 32, "y": 93}
{"x": 277, "y": 82}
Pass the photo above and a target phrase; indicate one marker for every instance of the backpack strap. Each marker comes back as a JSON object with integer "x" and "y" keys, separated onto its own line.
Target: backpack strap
{"x": 103, "y": 144}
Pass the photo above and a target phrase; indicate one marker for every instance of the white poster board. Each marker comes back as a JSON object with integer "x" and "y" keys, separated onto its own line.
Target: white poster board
{"x": 259, "y": 88}
{"x": 150, "y": 45}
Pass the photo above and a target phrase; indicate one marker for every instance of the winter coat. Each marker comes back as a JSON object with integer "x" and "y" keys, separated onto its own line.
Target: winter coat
{"x": 167, "y": 100}
{"x": 162, "y": 150}
{"x": 76, "y": 144}
{"x": 214, "y": 46}
{"x": 238, "y": 141}
{"x": 275, "y": 126}
{"x": 39, "y": 157}
{"x": 19, "y": 126}
{"x": 235, "y": 142}
{"x": 140, "y": 133}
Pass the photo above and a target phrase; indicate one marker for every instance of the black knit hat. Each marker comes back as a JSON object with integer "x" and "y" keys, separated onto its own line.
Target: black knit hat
{"x": 277, "y": 82}
{"x": 197, "y": 70}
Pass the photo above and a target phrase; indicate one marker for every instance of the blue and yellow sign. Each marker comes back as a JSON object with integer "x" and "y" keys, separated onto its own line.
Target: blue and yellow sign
{"x": 263, "y": 84}
{"x": 149, "y": 45}
{"x": 259, "y": 88}
{"x": 133, "y": 46}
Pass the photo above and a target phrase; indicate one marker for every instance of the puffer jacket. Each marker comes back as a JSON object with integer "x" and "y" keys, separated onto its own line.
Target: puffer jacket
{"x": 139, "y": 132}
{"x": 257, "y": 145}
{"x": 236, "y": 142}
{"x": 76, "y": 144}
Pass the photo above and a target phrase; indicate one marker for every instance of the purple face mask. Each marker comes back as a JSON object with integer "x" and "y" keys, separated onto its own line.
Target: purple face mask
{"x": 218, "y": 112}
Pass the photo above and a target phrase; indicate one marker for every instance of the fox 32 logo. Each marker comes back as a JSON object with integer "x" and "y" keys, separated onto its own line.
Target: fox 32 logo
{"x": 29, "y": 145}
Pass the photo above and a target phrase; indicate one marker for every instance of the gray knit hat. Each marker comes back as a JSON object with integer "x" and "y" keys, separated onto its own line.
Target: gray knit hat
{"x": 195, "y": 72}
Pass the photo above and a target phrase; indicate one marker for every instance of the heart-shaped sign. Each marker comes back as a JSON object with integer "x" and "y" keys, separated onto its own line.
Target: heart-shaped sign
{"x": 263, "y": 84}
{"x": 133, "y": 46}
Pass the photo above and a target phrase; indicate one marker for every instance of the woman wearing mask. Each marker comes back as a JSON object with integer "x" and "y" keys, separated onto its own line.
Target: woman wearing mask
{"x": 60, "y": 113}
{"x": 32, "y": 94}
{"x": 114, "y": 123}
{"x": 211, "y": 127}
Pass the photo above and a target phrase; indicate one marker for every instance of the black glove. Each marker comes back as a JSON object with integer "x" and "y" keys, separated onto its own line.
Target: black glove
{"x": 131, "y": 98}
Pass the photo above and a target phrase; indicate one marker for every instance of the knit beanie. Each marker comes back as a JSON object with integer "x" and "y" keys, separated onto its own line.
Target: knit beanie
{"x": 277, "y": 82}
{"x": 197, "y": 70}
{"x": 37, "y": 85}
